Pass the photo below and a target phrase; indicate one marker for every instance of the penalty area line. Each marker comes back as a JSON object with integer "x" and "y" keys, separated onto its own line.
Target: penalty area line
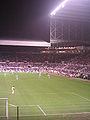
{"x": 80, "y": 96}
{"x": 41, "y": 110}
{"x": 28, "y": 105}
{"x": 12, "y": 105}
{"x": 77, "y": 113}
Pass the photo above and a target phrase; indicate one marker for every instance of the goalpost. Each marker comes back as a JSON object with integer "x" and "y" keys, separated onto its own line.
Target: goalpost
{"x": 4, "y": 107}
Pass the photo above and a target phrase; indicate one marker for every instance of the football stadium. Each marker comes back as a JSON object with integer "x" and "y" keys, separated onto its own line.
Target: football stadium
{"x": 42, "y": 80}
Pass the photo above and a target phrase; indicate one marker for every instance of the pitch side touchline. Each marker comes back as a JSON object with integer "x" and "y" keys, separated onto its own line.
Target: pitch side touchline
{"x": 80, "y": 96}
{"x": 41, "y": 110}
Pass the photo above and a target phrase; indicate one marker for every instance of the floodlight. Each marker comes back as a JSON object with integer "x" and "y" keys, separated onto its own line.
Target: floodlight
{"x": 59, "y": 7}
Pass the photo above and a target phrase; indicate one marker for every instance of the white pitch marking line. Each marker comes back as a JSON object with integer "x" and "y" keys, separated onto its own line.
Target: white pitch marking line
{"x": 77, "y": 113}
{"x": 12, "y": 105}
{"x": 42, "y": 93}
{"x": 28, "y": 105}
{"x": 80, "y": 96}
{"x": 41, "y": 110}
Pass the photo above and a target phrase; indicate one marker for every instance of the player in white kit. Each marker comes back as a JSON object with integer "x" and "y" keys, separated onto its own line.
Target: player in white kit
{"x": 13, "y": 89}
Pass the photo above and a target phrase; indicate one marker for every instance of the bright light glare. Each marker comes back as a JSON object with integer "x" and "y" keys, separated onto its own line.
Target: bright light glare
{"x": 59, "y": 7}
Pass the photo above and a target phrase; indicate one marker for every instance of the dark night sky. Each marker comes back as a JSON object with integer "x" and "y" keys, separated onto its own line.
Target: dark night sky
{"x": 25, "y": 19}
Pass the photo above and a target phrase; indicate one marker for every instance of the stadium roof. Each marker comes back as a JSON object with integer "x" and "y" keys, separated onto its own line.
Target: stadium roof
{"x": 73, "y": 10}
{"x": 25, "y": 43}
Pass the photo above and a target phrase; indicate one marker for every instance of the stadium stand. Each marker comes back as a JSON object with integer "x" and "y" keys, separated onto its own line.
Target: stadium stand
{"x": 63, "y": 64}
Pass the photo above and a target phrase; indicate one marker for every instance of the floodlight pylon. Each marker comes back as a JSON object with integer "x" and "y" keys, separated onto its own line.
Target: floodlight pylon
{"x": 61, "y": 5}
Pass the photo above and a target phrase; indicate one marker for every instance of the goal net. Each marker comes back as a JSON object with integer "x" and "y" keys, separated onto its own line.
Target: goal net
{"x": 4, "y": 107}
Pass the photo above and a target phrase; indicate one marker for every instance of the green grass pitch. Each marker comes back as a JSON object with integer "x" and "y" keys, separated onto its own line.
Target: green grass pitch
{"x": 44, "y": 97}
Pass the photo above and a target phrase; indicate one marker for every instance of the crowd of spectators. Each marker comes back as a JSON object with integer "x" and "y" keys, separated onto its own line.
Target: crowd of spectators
{"x": 61, "y": 64}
